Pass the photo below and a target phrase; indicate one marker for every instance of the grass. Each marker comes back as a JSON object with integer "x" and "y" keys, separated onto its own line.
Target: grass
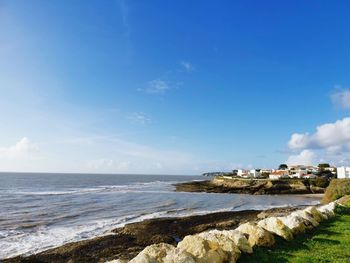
{"x": 329, "y": 242}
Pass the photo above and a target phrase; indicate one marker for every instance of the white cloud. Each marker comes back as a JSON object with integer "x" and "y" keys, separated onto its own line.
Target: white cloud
{"x": 157, "y": 86}
{"x": 140, "y": 118}
{"x": 22, "y": 149}
{"x": 329, "y": 136}
{"x": 341, "y": 98}
{"x": 330, "y": 143}
{"x": 187, "y": 66}
{"x": 305, "y": 157}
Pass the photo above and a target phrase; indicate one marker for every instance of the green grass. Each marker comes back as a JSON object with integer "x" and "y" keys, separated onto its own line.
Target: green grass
{"x": 330, "y": 242}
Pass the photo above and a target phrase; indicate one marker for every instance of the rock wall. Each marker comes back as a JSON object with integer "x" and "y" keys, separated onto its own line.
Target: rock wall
{"x": 226, "y": 246}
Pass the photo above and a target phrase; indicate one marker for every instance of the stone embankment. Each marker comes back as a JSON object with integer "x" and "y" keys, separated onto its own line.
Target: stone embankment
{"x": 226, "y": 246}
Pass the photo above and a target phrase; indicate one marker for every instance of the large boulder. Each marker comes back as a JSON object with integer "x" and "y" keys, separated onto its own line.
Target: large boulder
{"x": 158, "y": 251}
{"x": 225, "y": 243}
{"x": 307, "y": 216}
{"x": 178, "y": 256}
{"x": 143, "y": 258}
{"x": 118, "y": 261}
{"x": 238, "y": 238}
{"x": 328, "y": 210}
{"x": 203, "y": 250}
{"x": 315, "y": 213}
{"x": 257, "y": 236}
{"x": 296, "y": 223}
{"x": 276, "y": 226}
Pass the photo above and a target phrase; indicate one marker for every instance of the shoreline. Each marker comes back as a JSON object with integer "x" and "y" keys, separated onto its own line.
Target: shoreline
{"x": 127, "y": 241}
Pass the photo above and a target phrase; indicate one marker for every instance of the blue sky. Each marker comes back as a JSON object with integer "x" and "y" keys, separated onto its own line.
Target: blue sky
{"x": 176, "y": 87}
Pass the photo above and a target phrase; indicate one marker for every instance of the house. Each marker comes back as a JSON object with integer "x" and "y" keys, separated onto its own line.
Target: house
{"x": 241, "y": 172}
{"x": 279, "y": 174}
{"x": 343, "y": 172}
{"x": 332, "y": 169}
{"x": 298, "y": 174}
{"x": 309, "y": 176}
{"x": 266, "y": 171}
{"x": 255, "y": 173}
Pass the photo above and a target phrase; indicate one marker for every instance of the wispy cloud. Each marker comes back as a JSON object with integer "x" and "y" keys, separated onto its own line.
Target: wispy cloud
{"x": 140, "y": 118}
{"x": 187, "y": 66}
{"x": 157, "y": 86}
{"x": 341, "y": 98}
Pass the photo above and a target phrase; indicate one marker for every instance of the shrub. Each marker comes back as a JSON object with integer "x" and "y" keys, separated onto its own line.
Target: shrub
{"x": 321, "y": 182}
{"x": 336, "y": 189}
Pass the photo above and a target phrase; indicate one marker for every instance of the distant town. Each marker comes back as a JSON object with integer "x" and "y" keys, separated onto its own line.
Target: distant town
{"x": 284, "y": 171}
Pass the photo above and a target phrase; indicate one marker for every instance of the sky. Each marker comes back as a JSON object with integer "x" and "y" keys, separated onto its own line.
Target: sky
{"x": 173, "y": 87}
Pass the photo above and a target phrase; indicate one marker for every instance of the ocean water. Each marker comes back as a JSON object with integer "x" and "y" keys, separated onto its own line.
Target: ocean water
{"x": 42, "y": 211}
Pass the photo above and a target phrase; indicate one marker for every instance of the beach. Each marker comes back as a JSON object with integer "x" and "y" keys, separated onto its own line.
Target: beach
{"x": 99, "y": 217}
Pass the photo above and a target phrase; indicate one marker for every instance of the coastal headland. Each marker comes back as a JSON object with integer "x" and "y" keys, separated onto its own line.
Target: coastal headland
{"x": 222, "y": 184}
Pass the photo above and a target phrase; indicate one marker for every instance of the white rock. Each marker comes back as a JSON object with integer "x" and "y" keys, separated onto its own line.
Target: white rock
{"x": 328, "y": 210}
{"x": 296, "y": 223}
{"x": 257, "y": 236}
{"x": 276, "y": 226}
{"x": 238, "y": 238}
{"x": 225, "y": 243}
{"x": 118, "y": 261}
{"x": 307, "y": 216}
{"x": 143, "y": 258}
{"x": 203, "y": 250}
{"x": 178, "y": 256}
{"x": 158, "y": 251}
{"x": 315, "y": 213}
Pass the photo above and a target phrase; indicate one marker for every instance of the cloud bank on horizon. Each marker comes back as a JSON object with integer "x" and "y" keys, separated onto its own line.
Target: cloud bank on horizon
{"x": 130, "y": 89}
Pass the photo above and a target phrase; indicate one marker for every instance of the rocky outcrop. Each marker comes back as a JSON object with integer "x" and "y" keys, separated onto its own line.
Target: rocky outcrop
{"x": 250, "y": 186}
{"x": 217, "y": 246}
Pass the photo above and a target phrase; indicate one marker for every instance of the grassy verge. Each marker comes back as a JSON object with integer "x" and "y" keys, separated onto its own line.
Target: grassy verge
{"x": 330, "y": 242}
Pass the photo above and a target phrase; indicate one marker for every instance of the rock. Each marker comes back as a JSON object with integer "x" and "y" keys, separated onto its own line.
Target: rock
{"x": 178, "y": 256}
{"x": 307, "y": 216}
{"x": 143, "y": 258}
{"x": 238, "y": 238}
{"x": 225, "y": 243}
{"x": 203, "y": 250}
{"x": 276, "y": 226}
{"x": 158, "y": 251}
{"x": 296, "y": 223}
{"x": 118, "y": 261}
{"x": 328, "y": 210}
{"x": 257, "y": 236}
{"x": 315, "y": 213}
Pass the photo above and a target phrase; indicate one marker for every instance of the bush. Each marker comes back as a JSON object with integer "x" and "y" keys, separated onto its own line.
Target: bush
{"x": 321, "y": 182}
{"x": 336, "y": 189}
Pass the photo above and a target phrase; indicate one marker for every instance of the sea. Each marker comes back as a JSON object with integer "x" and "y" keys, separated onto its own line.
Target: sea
{"x": 39, "y": 211}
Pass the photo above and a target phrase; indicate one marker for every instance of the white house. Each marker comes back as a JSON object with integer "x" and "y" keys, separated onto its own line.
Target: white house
{"x": 343, "y": 172}
{"x": 279, "y": 174}
{"x": 255, "y": 173}
{"x": 298, "y": 174}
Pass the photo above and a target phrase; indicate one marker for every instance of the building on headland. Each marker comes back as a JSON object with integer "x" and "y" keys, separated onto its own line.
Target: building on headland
{"x": 343, "y": 172}
{"x": 255, "y": 173}
{"x": 279, "y": 174}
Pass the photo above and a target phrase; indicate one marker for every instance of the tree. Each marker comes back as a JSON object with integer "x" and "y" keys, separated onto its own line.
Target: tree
{"x": 283, "y": 166}
{"x": 322, "y": 166}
